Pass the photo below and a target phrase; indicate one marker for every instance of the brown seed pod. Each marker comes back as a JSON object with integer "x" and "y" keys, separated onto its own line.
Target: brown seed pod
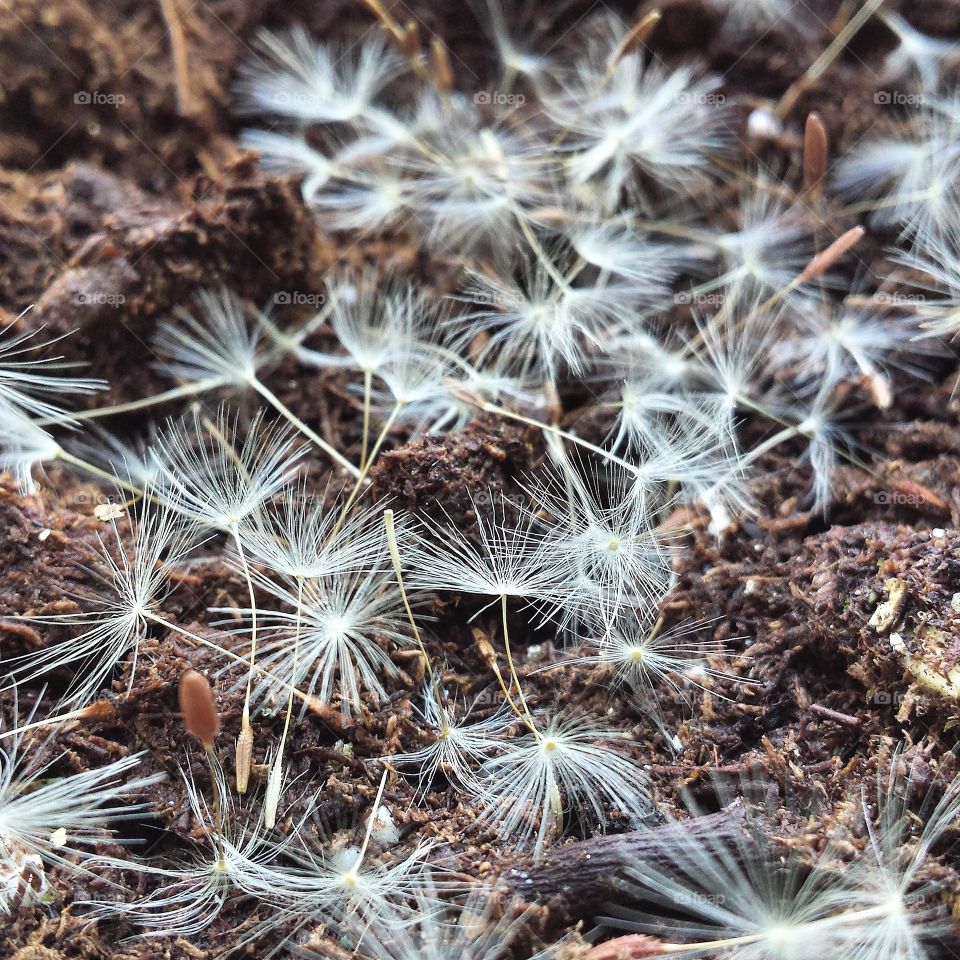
{"x": 824, "y": 260}
{"x": 440, "y": 65}
{"x": 634, "y": 946}
{"x": 816, "y": 151}
{"x": 198, "y": 707}
{"x": 244, "y": 756}
{"x": 637, "y": 36}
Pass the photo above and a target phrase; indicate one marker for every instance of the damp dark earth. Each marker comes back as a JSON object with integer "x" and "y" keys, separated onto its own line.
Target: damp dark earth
{"x": 479, "y": 481}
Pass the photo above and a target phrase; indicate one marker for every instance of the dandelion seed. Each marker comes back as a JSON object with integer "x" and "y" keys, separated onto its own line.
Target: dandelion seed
{"x": 642, "y": 118}
{"x": 474, "y": 182}
{"x": 211, "y": 480}
{"x": 913, "y": 182}
{"x": 343, "y": 622}
{"x": 506, "y": 561}
{"x": 478, "y": 928}
{"x": 24, "y": 446}
{"x": 745, "y": 900}
{"x": 916, "y": 52}
{"x": 613, "y": 247}
{"x": 506, "y": 25}
{"x": 834, "y": 344}
{"x": 754, "y": 16}
{"x": 534, "y": 327}
{"x": 45, "y": 819}
{"x": 214, "y": 483}
{"x": 601, "y": 535}
{"x": 345, "y": 879}
{"x": 300, "y": 80}
{"x": 648, "y": 661}
{"x": 303, "y": 535}
{"x": 940, "y": 314}
{"x": 459, "y": 747}
{"x": 773, "y": 243}
{"x": 373, "y": 320}
{"x": 569, "y": 770}
{"x": 219, "y": 347}
{"x": 192, "y": 896}
{"x": 130, "y": 584}
{"x": 222, "y": 348}
{"x": 27, "y": 380}
{"x": 819, "y": 422}
{"x": 290, "y": 155}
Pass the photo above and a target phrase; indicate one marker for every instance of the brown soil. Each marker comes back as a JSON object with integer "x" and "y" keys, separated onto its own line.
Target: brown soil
{"x": 143, "y": 202}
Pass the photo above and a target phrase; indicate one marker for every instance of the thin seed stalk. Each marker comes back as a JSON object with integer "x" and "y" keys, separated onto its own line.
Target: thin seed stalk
{"x": 245, "y": 739}
{"x": 308, "y": 432}
{"x": 276, "y": 772}
{"x": 367, "y": 384}
{"x": 362, "y": 474}
{"x": 527, "y": 716}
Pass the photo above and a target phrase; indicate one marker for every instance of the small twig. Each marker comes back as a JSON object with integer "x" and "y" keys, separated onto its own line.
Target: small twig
{"x": 845, "y": 719}
{"x": 820, "y": 65}
{"x": 816, "y": 153}
{"x": 186, "y": 106}
{"x": 634, "y": 946}
{"x": 825, "y": 260}
{"x": 578, "y": 880}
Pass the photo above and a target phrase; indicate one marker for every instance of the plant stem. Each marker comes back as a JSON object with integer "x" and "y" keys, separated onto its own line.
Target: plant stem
{"x": 367, "y": 383}
{"x": 528, "y": 718}
{"x": 217, "y": 834}
{"x": 175, "y": 393}
{"x": 245, "y": 740}
{"x": 311, "y": 434}
{"x": 370, "y": 822}
{"x": 488, "y": 407}
{"x": 95, "y": 471}
{"x": 362, "y": 475}
{"x": 276, "y": 772}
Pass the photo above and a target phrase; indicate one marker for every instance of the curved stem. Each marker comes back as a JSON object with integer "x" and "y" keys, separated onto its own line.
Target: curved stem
{"x": 311, "y": 434}
{"x": 175, "y": 393}
{"x": 362, "y": 475}
{"x": 245, "y": 740}
{"x": 527, "y": 716}
{"x": 367, "y": 383}
{"x": 97, "y": 472}
{"x": 218, "y": 648}
{"x": 276, "y": 773}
